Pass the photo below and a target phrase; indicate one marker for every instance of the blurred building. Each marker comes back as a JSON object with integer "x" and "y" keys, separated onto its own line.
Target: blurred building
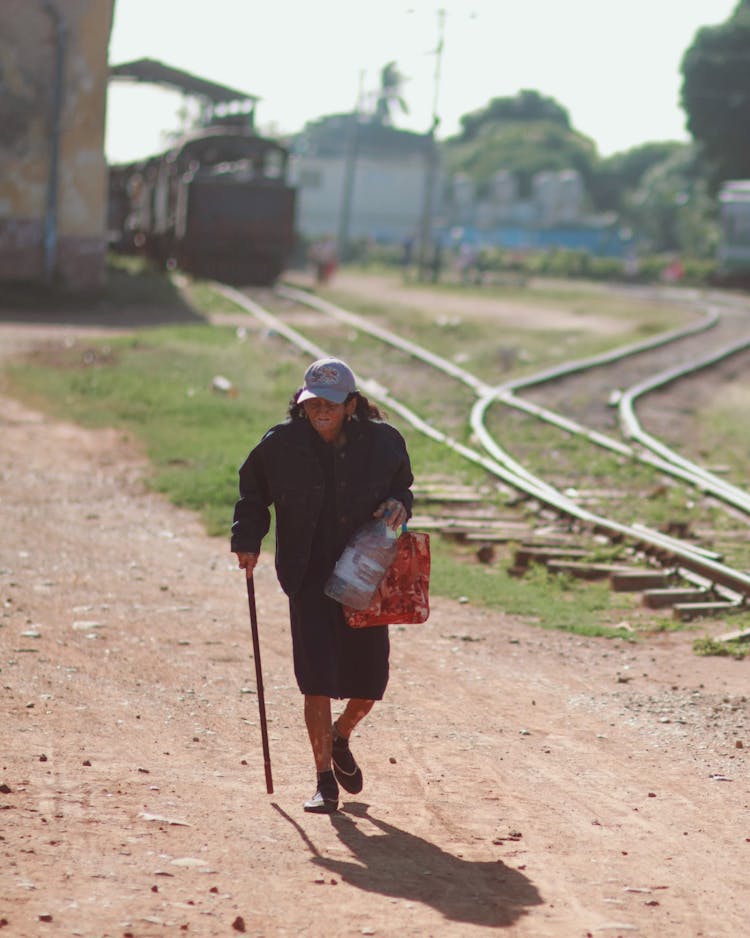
{"x": 554, "y": 215}
{"x": 559, "y": 197}
{"x": 359, "y": 179}
{"x": 53, "y": 75}
{"x": 501, "y": 203}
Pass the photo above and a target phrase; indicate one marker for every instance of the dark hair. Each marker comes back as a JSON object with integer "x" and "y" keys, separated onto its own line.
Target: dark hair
{"x": 365, "y": 409}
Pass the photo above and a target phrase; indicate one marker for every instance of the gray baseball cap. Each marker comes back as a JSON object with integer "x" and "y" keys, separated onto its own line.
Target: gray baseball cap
{"x": 329, "y": 378}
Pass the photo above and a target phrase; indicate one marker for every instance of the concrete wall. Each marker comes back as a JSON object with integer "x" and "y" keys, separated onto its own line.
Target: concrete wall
{"x": 387, "y": 199}
{"x": 557, "y": 199}
{"x": 68, "y": 243}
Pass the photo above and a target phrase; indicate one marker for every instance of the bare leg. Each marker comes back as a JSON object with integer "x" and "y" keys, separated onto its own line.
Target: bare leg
{"x": 356, "y": 709}
{"x": 318, "y": 722}
{"x": 348, "y": 773}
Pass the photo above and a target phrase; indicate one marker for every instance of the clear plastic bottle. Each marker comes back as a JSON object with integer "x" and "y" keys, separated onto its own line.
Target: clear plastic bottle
{"x": 363, "y": 564}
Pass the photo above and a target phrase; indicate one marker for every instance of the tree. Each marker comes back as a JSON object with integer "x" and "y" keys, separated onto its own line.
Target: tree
{"x": 519, "y": 145}
{"x": 671, "y": 207}
{"x": 526, "y": 106}
{"x": 716, "y": 94}
{"x": 620, "y": 173}
{"x": 389, "y": 94}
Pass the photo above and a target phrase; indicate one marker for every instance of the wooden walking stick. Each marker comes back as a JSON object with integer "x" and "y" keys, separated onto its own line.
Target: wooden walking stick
{"x": 259, "y": 683}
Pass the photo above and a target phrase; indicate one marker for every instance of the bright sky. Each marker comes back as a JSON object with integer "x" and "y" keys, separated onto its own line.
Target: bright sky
{"x": 613, "y": 64}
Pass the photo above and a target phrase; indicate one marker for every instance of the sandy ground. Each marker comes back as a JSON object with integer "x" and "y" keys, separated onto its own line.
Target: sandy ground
{"x": 517, "y": 781}
{"x": 392, "y": 289}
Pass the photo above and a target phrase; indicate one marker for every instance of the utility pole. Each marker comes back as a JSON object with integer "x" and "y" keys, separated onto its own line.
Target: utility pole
{"x": 350, "y": 165}
{"x": 431, "y": 158}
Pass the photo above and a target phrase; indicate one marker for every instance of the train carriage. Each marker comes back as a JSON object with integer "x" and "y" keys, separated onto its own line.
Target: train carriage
{"x": 217, "y": 205}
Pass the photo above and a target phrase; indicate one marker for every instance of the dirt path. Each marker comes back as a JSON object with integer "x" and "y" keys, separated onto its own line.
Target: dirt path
{"x": 390, "y": 288}
{"x": 516, "y": 781}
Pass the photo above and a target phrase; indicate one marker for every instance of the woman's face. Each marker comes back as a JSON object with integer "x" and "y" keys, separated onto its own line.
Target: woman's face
{"x": 328, "y": 418}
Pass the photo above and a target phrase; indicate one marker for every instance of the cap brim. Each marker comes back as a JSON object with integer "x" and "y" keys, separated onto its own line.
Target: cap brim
{"x": 336, "y": 397}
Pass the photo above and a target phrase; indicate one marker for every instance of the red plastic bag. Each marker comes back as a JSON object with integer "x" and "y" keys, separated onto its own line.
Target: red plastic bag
{"x": 403, "y": 595}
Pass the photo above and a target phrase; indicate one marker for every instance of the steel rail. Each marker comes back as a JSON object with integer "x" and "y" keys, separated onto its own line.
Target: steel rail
{"x": 416, "y": 351}
{"x": 391, "y": 338}
{"x": 632, "y": 428}
{"x": 538, "y": 487}
{"x": 710, "y": 319}
{"x": 657, "y": 456}
{"x": 689, "y": 473}
{"x": 696, "y": 561}
{"x": 664, "y": 458}
{"x": 374, "y": 389}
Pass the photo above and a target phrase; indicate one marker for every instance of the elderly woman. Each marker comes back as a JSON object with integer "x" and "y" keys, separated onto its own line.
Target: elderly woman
{"x": 328, "y": 469}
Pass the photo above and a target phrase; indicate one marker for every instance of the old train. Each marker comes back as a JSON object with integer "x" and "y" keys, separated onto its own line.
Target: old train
{"x": 219, "y": 204}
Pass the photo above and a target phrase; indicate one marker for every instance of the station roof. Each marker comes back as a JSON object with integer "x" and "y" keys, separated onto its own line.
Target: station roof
{"x": 157, "y": 73}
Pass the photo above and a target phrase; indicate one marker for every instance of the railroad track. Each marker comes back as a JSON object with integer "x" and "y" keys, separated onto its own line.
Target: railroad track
{"x": 692, "y": 572}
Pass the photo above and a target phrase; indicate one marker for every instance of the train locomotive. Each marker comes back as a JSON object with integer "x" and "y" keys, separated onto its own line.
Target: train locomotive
{"x": 217, "y": 205}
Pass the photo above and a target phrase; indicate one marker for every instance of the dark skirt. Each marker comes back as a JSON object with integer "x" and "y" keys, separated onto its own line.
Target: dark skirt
{"x": 331, "y": 659}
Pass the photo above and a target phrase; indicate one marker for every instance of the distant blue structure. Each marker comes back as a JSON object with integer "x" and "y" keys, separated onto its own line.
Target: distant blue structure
{"x": 601, "y": 240}
{"x": 552, "y": 216}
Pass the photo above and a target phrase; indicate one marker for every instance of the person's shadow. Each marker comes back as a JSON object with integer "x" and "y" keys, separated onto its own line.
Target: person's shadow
{"x": 394, "y": 862}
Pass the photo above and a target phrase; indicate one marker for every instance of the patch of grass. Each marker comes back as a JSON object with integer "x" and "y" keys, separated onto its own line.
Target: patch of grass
{"x": 710, "y": 646}
{"x": 157, "y": 385}
{"x": 552, "y": 601}
{"x": 718, "y": 424}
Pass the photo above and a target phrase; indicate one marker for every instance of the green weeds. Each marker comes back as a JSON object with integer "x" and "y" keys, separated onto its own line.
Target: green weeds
{"x": 711, "y": 646}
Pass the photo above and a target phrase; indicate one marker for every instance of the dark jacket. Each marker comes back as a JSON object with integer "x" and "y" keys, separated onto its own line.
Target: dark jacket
{"x": 283, "y": 470}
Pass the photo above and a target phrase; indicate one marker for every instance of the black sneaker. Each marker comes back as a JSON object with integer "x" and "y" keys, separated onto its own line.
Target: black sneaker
{"x": 347, "y": 771}
{"x": 326, "y": 797}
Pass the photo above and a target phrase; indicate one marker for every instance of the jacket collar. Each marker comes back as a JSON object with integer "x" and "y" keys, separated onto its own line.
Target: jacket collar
{"x": 301, "y": 434}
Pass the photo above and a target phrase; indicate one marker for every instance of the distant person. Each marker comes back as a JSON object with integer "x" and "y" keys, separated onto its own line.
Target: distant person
{"x": 407, "y": 255}
{"x": 673, "y": 272}
{"x": 436, "y": 265}
{"x": 323, "y": 256}
{"x": 328, "y": 469}
{"x": 467, "y": 260}
{"x": 632, "y": 265}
